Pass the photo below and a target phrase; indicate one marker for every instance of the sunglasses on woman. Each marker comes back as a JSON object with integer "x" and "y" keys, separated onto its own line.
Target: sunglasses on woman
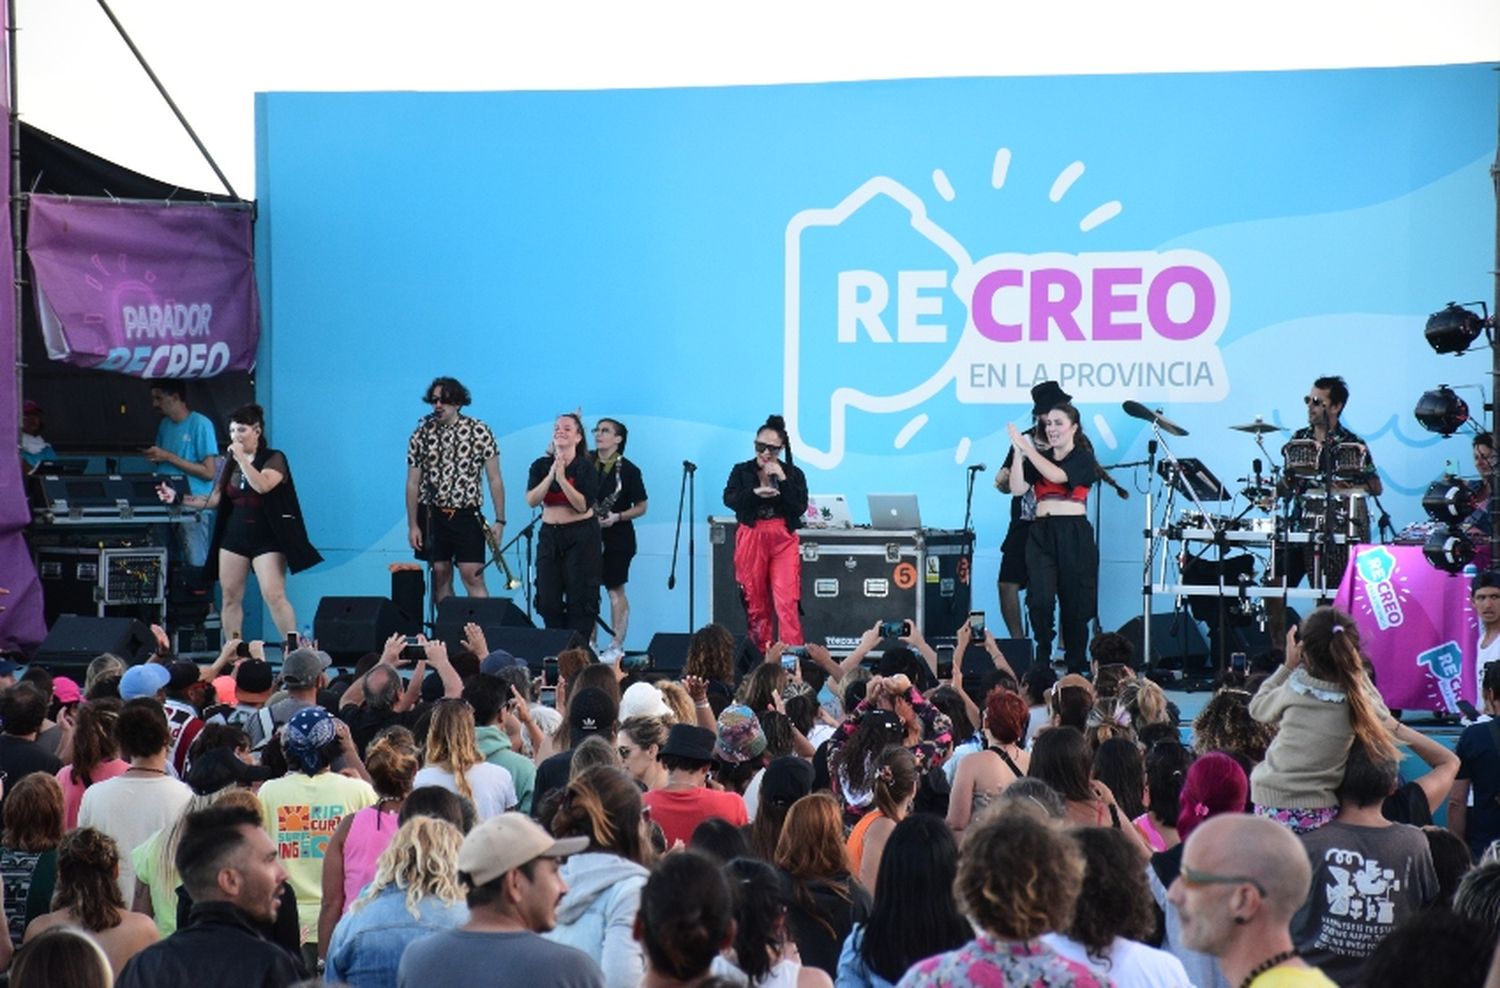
{"x": 761, "y": 447}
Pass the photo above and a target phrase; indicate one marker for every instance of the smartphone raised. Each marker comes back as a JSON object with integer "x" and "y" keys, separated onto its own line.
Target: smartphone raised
{"x": 976, "y": 624}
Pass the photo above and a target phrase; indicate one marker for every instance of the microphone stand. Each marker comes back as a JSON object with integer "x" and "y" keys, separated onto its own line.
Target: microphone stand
{"x": 685, "y": 495}
{"x": 527, "y": 534}
{"x": 1105, "y": 478}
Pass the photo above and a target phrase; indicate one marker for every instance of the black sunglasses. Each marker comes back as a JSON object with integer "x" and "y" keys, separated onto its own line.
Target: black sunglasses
{"x": 761, "y": 447}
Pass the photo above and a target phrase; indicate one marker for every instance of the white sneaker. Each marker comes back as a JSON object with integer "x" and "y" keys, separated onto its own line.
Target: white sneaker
{"x": 611, "y": 655}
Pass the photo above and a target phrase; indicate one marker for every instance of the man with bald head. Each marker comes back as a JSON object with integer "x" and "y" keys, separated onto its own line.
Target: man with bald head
{"x": 1242, "y": 879}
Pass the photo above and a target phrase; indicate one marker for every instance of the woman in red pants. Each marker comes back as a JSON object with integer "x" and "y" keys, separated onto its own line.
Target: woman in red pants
{"x": 768, "y": 498}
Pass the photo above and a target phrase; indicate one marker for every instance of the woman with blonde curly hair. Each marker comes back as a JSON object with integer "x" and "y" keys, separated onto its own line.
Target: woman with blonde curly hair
{"x": 454, "y": 762}
{"x": 88, "y": 896}
{"x": 415, "y": 892}
{"x": 1020, "y": 877}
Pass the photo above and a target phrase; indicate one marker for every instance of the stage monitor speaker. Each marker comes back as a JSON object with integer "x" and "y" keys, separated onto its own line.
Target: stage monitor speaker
{"x": 490, "y": 613}
{"x": 531, "y": 644}
{"x": 1176, "y": 642}
{"x": 76, "y": 640}
{"x": 349, "y": 627}
{"x": 669, "y": 650}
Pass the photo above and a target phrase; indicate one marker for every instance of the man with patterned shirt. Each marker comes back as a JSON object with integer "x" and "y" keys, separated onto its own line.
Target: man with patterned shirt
{"x": 1325, "y": 404}
{"x": 448, "y": 455}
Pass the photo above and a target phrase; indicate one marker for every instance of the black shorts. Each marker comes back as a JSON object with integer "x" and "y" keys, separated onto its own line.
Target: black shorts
{"x": 619, "y": 550}
{"x": 450, "y": 534}
{"x": 1013, "y": 554}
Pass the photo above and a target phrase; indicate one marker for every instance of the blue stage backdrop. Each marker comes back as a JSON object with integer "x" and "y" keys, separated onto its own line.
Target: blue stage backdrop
{"x": 892, "y": 264}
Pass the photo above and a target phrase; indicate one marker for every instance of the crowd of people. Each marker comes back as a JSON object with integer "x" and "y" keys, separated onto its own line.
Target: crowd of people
{"x": 796, "y": 823}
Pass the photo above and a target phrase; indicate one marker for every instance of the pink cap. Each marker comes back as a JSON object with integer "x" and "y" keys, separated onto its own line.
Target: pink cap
{"x": 224, "y": 689}
{"x": 66, "y": 690}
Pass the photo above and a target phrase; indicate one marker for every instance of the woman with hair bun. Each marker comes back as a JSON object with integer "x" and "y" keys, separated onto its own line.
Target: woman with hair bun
{"x": 597, "y": 914}
{"x": 88, "y": 896}
{"x": 768, "y": 498}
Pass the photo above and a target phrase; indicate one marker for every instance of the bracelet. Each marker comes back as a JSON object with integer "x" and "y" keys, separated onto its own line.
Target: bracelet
{"x": 703, "y": 705}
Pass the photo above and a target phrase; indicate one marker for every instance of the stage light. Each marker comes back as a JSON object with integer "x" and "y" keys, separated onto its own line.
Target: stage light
{"x": 1454, "y": 328}
{"x": 1449, "y": 551}
{"x": 1442, "y": 411}
{"x": 1448, "y": 500}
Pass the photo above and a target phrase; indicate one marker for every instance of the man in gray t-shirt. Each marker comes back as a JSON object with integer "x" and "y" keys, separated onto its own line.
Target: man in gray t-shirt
{"x": 510, "y": 867}
{"x": 1369, "y": 874}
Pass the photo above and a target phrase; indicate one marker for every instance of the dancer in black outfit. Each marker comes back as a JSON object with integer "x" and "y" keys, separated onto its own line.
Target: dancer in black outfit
{"x": 568, "y": 556}
{"x": 622, "y": 499}
{"x": 1062, "y": 560}
{"x": 259, "y": 524}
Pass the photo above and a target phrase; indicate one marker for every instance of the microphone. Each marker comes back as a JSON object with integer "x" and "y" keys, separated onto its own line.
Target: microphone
{"x": 1255, "y": 466}
{"x": 976, "y": 468}
{"x": 774, "y": 481}
{"x": 672, "y": 581}
{"x": 689, "y": 466}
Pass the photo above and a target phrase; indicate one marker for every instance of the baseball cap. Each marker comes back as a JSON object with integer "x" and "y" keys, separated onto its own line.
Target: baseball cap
{"x": 223, "y": 689}
{"x": 303, "y": 666}
{"x": 219, "y": 768}
{"x": 146, "y": 679}
{"x": 253, "y": 676}
{"x": 786, "y": 780}
{"x": 498, "y": 661}
{"x": 591, "y": 712}
{"x": 183, "y": 674}
{"x": 506, "y": 842}
{"x": 691, "y": 742}
{"x": 740, "y": 735}
{"x": 643, "y": 700}
{"x": 66, "y": 690}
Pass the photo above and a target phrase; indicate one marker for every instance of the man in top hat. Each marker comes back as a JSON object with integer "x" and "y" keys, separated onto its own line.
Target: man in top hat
{"x": 686, "y": 800}
{"x": 512, "y": 875}
{"x": 1044, "y": 397}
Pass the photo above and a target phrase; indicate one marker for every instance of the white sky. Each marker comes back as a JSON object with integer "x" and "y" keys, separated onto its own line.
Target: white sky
{"x": 78, "y": 81}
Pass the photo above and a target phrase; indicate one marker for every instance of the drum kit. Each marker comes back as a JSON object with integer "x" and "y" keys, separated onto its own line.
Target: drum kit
{"x": 1236, "y": 544}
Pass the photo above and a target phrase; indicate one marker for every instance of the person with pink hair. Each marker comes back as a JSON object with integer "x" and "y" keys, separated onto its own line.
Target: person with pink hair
{"x": 1216, "y": 783}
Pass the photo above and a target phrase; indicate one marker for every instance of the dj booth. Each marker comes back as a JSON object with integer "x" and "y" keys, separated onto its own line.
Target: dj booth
{"x": 854, "y": 577}
{"x": 99, "y": 543}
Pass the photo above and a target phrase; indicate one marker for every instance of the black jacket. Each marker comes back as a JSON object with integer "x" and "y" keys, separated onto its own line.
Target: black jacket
{"x": 221, "y": 947}
{"x": 820, "y": 917}
{"x": 283, "y": 515}
{"x": 740, "y": 496}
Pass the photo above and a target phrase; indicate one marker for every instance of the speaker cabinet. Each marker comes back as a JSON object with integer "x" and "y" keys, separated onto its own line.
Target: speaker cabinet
{"x": 491, "y": 614}
{"x": 76, "y": 640}
{"x": 349, "y": 627}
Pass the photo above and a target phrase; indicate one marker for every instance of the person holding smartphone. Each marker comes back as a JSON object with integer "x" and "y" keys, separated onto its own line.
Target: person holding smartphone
{"x": 768, "y": 498}
{"x": 258, "y": 525}
{"x": 1062, "y": 560}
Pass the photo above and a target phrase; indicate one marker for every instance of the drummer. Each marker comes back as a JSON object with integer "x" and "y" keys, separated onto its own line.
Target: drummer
{"x": 1325, "y": 402}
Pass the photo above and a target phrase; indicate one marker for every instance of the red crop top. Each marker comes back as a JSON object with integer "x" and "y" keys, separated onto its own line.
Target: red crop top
{"x": 1081, "y": 470}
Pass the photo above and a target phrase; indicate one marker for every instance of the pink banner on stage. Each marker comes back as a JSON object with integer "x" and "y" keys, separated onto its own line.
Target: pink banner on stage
{"x": 1418, "y": 627}
{"x": 22, "y": 625}
{"x": 147, "y": 289}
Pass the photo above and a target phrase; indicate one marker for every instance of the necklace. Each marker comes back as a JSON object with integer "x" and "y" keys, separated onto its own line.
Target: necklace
{"x": 1266, "y": 965}
{"x": 147, "y": 768}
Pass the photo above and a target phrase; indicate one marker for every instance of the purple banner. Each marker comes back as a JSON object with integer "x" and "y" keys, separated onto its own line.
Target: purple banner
{"x": 145, "y": 289}
{"x": 22, "y": 625}
{"x": 1418, "y": 627}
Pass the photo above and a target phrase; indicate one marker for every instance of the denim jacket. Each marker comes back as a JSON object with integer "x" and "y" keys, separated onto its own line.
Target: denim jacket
{"x": 366, "y": 946}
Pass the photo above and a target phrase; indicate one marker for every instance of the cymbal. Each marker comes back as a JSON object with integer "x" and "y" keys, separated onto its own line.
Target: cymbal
{"x": 1258, "y": 427}
{"x": 1136, "y": 410}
